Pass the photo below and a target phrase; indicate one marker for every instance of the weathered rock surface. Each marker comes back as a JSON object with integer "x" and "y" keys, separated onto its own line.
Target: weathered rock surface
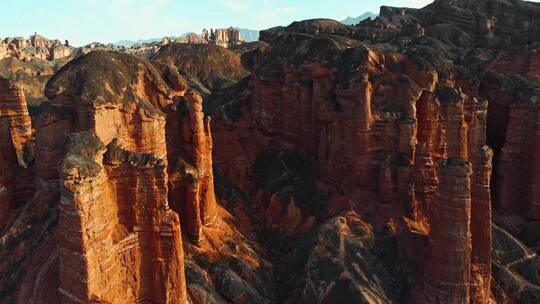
{"x": 134, "y": 251}
{"x": 112, "y": 177}
{"x": 224, "y": 37}
{"x": 349, "y": 165}
{"x": 207, "y": 67}
{"x": 36, "y": 46}
{"x": 447, "y": 274}
{"x": 16, "y": 150}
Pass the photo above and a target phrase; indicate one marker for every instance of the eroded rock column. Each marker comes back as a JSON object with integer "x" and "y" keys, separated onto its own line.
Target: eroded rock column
{"x": 447, "y": 273}
{"x": 481, "y": 225}
{"x": 118, "y": 240}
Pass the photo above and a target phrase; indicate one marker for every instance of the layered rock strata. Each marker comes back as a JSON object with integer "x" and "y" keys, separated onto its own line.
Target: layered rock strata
{"x": 380, "y": 123}
{"x": 481, "y": 225}
{"x": 16, "y": 149}
{"x": 118, "y": 240}
{"x": 134, "y": 251}
{"x": 514, "y": 112}
{"x": 447, "y": 273}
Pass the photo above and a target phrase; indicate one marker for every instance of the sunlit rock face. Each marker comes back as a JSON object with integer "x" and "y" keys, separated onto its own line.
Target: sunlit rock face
{"x": 394, "y": 161}
{"x": 35, "y": 47}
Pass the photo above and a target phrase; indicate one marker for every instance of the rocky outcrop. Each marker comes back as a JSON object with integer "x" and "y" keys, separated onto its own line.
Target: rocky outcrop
{"x": 458, "y": 268}
{"x": 112, "y": 177}
{"x": 35, "y": 47}
{"x": 224, "y": 37}
{"x": 354, "y": 157}
{"x": 192, "y": 179}
{"x": 342, "y": 262}
{"x": 481, "y": 225}
{"x": 374, "y": 122}
{"x": 207, "y": 67}
{"x": 515, "y": 114}
{"x": 16, "y": 149}
{"x": 191, "y": 38}
{"x": 524, "y": 63}
{"x": 134, "y": 251}
{"x": 447, "y": 273}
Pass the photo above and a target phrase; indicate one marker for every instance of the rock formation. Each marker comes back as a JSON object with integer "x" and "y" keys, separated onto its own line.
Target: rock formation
{"x": 207, "y": 67}
{"x": 447, "y": 274}
{"x": 36, "y": 46}
{"x": 340, "y": 164}
{"x": 224, "y": 37}
{"x": 134, "y": 251}
{"x": 16, "y": 149}
{"x": 120, "y": 140}
{"x": 191, "y": 38}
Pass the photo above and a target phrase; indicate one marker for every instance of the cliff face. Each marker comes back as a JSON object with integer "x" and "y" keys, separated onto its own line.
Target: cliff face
{"x": 341, "y": 164}
{"x": 16, "y": 182}
{"x": 447, "y": 273}
{"x": 134, "y": 250}
{"x": 377, "y": 119}
{"x": 515, "y": 112}
{"x": 98, "y": 216}
{"x": 372, "y": 127}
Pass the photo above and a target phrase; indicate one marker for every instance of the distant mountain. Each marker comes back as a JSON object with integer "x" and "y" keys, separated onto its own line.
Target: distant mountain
{"x": 353, "y": 21}
{"x": 130, "y": 43}
{"x": 249, "y": 35}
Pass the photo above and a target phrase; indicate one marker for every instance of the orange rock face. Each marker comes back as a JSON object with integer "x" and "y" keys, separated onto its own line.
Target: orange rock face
{"x": 525, "y": 63}
{"x": 192, "y": 183}
{"x": 349, "y": 165}
{"x": 480, "y": 225}
{"x": 16, "y": 149}
{"x": 138, "y": 226}
{"x": 117, "y": 239}
{"x": 135, "y": 248}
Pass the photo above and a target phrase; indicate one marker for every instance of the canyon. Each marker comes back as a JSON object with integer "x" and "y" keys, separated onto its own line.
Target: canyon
{"x": 391, "y": 161}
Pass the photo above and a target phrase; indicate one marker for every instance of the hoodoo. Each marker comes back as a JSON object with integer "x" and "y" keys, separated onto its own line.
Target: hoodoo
{"x": 391, "y": 161}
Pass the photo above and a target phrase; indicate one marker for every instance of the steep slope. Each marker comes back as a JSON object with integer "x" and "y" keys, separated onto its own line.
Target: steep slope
{"x": 123, "y": 156}
{"x": 393, "y": 113}
{"x": 211, "y": 66}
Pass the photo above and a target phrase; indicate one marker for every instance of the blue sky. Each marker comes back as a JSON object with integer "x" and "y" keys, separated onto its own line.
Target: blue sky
{"x": 85, "y": 21}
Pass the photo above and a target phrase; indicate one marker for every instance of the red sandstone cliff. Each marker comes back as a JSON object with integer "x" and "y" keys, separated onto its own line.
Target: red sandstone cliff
{"x": 367, "y": 127}
{"x": 354, "y": 157}
{"x": 124, "y": 170}
{"x": 134, "y": 251}
{"x": 16, "y": 149}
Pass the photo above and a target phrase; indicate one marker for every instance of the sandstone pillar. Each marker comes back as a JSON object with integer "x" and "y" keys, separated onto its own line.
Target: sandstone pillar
{"x": 481, "y": 225}
{"x": 447, "y": 272}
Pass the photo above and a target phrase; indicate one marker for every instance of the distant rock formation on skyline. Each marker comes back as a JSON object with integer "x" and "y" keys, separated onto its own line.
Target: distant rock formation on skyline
{"x": 223, "y": 37}
{"x": 36, "y": 46}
